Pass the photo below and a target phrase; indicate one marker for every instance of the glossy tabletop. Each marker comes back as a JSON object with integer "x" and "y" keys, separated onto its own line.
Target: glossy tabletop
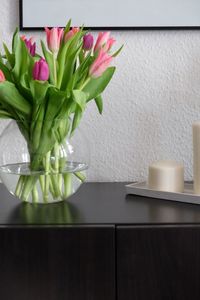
{"x": 97, "y": 204}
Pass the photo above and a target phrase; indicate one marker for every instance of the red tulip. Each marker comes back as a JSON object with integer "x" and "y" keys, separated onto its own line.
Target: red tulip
{"x": 41, "y": 70}
{"x": 54, "y": 37}
{"x": 100, "y": 64}
{"x": 2, "y": 76}
{"x": 71, "y": 33}
{"x": 88, "y": 41}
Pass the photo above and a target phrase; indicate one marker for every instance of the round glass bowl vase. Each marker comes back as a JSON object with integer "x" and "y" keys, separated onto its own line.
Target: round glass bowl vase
{"x": 58, "y": 174}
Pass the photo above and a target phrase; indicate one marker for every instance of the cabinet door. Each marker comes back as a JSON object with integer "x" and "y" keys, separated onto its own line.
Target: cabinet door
{"x": 158, "y": 263}
{"x": 57, "y": 263}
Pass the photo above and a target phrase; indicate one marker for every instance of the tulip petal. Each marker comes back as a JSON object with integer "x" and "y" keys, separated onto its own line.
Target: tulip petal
{"x": 100, "y": 64}
{"x": 41, "y": 70}
{"x": 44, "y": 71}
{"x": 2, "y": 76}
{"x": 54, "y": 37}
{"x": 101, "y": 40}
{"x": 88, "y": 41}
{"x": 36, "y": 70}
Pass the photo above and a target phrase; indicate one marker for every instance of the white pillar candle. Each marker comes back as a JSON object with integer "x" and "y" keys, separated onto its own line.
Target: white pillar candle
{"x": 166, "y": 175}
{"x": 196, "y": 156}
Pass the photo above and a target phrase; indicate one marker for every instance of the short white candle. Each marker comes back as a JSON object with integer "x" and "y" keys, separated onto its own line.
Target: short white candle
{"x": 166, "y": 175}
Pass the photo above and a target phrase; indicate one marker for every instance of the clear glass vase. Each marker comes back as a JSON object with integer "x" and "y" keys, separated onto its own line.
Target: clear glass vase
{"x": 47, "y": 172}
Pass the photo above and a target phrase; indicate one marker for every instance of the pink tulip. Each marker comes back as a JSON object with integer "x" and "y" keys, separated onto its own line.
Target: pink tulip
{"x": 54, "y": 37}
{"x": 2, "y": 76}
{"x": 23, "y": 37}
{"x": 41, "y": 70}
{"x": 100, "y": 64}
{"x": 109, "y": 44}
{"x": 102, "y": 39}
{"x": 88, "y": 41}
{"x": 71, "y": 33}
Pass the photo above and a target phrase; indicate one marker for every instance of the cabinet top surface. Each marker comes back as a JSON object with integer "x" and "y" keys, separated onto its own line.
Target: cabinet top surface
{"x": 97, "y": 204}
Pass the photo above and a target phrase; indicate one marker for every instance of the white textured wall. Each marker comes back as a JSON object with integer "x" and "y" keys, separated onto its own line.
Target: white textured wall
{"x": 149, "y": 107}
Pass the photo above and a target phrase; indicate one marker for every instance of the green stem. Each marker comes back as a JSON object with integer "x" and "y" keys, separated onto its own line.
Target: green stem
{"x": 42, "y": 183}
{"x": 51, "y": 188}
{"x": 85, "y": 83}
{"x": 19, "y": 186}
{"x": 67, "y": 185}
{"x": 55, "y": 67}
{"x": 56, "y": 155}
{"x": 47, "y": 169}
{"x": 57, "y": 166}
{"x": 80, "y": 176}
{"x": 35, "y": 197}
{"x": 55, "y": 186}
{"x": 29, "y": 183}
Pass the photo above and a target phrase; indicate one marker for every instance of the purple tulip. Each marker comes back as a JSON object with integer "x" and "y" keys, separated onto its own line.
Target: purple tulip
{"x": 31, "y": 46}
{"x": 41, "y": 70}
{"x": 88, "y": 41}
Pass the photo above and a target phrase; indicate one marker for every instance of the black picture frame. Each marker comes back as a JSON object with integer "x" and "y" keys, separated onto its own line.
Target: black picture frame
{"x": 119, "y": 28}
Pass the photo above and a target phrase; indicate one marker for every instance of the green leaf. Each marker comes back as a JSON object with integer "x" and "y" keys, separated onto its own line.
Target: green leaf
{"x": 66, "y": 58}
{"x": 81, "y": 72}
{"x": 96, "y": 86}
{"x": 10, "y": 95}
{"x": 55, "y": 103}
{"x": 4, "y": 114}
{"x": 61, "y": 61}
{"x": 10, "y": 57}
{"x": 49, "y": 58}
{"x": 38, "y": 90}
{"x": 62, "y": 129}
{"x": 80, "y": 98}
{"x": 118, "y": 51}
{"x": 81, "y": 56}
{"x": 6, "y": 71}
{"x": 24, "y": 88}
{"x": 66, "y": 109}
{"x": 1, "y": 58}
{"x": 88, "y": 60}
{"x": 15, "y": 39}
{"x": 99, "y": 103}
{"x": 67, "y": 27}
{"x": 69, "y": 68}
{"x": 22, "y": 71}
{"x": 76, "y": 119}
{"x": 21, "y": 60}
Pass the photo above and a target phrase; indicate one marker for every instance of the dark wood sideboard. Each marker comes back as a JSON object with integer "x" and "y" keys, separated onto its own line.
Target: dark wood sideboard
{"x": 100, "y": 245}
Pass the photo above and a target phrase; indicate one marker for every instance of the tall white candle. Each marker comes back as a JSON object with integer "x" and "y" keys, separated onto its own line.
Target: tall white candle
{"x": 196, "y": 156}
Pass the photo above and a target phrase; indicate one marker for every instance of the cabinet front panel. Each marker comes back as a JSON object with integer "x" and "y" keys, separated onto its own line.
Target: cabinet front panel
{"x": 57, "y": 263}
{"x": 158, "y": 263}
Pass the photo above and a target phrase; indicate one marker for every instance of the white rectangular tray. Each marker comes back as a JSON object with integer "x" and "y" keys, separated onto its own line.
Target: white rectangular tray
{"x": 141, "y": 189}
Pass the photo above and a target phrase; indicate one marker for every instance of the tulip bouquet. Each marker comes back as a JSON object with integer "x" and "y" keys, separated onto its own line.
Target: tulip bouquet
{"x": 47, "y": 95}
